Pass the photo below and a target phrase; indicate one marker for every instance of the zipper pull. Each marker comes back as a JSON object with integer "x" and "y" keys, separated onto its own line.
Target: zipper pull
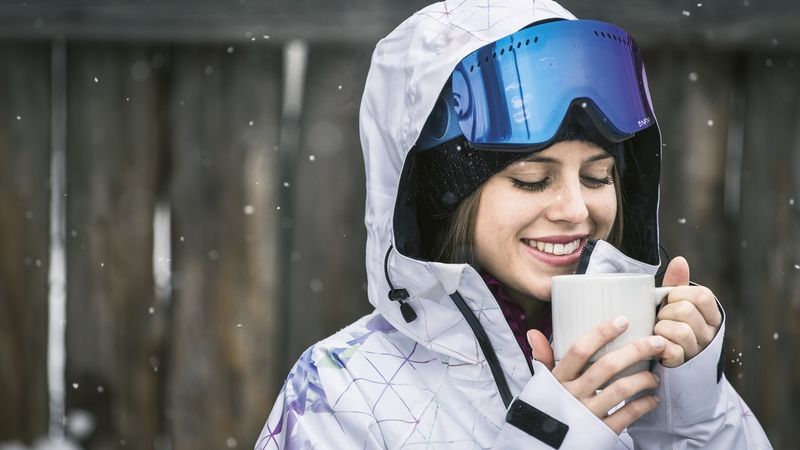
{"x": 399, "y": 295}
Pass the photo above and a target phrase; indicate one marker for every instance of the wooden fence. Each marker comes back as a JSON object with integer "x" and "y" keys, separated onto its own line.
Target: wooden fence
{"x": 266, "y": 223}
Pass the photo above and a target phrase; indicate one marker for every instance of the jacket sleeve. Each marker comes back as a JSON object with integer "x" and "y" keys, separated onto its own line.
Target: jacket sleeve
{"x": 699, "y": 408}
{"x": 307, "y": 415}
{"x": 547, "y": 416}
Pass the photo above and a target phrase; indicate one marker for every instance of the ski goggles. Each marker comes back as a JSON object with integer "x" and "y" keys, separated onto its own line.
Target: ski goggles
{"x": 516, "y": 91}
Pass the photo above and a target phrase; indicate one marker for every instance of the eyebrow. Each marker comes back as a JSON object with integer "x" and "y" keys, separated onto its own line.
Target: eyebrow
{"x": 546, "y": 159}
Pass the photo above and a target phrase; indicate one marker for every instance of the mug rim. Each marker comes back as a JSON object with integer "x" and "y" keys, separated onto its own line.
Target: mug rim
{"x": 601, "y": 276}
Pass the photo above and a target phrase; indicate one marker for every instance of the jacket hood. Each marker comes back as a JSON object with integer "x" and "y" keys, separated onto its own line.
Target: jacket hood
{"x": 408, "y": 70}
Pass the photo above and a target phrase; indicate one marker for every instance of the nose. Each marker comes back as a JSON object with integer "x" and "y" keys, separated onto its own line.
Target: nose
{"x": 568, "y": 204}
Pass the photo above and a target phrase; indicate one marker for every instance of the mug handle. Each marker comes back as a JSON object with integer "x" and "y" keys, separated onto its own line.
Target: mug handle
{"x": 661, "y": 293}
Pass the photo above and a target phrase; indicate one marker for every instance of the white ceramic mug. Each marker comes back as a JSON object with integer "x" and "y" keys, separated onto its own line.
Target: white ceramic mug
{"x": 581, "y": 302}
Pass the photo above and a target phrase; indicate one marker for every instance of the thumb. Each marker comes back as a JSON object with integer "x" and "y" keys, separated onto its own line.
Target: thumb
{"x": 677, "y": 273}
{"x": 542, "y": 351}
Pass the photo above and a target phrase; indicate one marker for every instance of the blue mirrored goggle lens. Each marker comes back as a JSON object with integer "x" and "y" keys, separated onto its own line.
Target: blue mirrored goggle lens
{"x": 516, "y": 91}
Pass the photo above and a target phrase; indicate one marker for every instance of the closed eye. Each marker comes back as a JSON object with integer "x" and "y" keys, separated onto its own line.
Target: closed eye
{"x": 594, "y": 183}
{"x": 532, "y": 186}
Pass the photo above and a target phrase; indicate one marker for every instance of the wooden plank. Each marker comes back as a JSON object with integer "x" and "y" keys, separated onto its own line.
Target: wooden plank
{"x": 768, "y": 245}
{"x": 225, "y": 111}
{"x": 691, "y": 94}
{"x": 24, "y": 239}
{"x": 714, "y": 24}
{"x": 327, "y": 276}
{"x": 113, "y": 167}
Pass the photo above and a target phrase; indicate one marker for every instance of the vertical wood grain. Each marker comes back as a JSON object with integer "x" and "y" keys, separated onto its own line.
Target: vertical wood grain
{"x": 767, "y": 249}
{"x": 113, "y": 147}
{"x": 24, "y": 239}
{"x": 327, "y": 275}
{"x": 224, "y": 109}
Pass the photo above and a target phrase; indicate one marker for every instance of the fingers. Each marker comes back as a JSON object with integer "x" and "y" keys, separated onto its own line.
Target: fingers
{"x": 542, "y": 351}
{"x": 614, "y": 362}
{"x": 680, "y": 333}
{"x": 685, "y": 312}
{"x": 620, "y": 390}
{"x": 587, "y": 345}
{"x": 673, "y": 355}
{"x": 702, "y": 298}
{"x": 631, "y": 412}
{"x": 677, "y": 273}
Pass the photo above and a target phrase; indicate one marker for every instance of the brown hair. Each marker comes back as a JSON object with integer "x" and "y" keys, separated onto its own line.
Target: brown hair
{"x": 455, "y": 239}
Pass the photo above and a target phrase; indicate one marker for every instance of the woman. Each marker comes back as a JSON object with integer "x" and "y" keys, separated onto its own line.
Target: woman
{"x": 490, "y": 169}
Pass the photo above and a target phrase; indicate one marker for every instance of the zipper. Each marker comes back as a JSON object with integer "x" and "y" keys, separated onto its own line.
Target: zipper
{"x": 486, "y": 348}
{"x": 586, "y": 254}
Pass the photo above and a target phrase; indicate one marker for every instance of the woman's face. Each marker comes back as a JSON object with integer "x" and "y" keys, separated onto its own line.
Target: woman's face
{"x": 535, "y": 216}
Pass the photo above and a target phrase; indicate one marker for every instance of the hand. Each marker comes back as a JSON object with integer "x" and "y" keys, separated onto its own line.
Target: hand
{"x": 689, "y": 320}
{"x": 584, "y": 384}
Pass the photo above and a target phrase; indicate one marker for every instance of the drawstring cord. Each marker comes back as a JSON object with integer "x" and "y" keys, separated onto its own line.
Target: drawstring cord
{"x": 398, "y": 295}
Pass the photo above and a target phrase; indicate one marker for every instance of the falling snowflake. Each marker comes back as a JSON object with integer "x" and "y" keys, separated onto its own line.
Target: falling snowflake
{"x": 96, "y": 80}
{"x": 710, "y": 123}
{"x": 682, "y": 220}
{"x": 250, "y": 123}
{"x": 693, "y": 76}
{"x": 775, "y": 336}
{"x": 248, "y": 209}
{"x": 316, "y": 285}
{"x": 230, "y": 50}
{"x": 19, "y": 117}
{"x": 312, "y": 158}
{"x": 285, "y": 184}
{"x": 686, "y": 13}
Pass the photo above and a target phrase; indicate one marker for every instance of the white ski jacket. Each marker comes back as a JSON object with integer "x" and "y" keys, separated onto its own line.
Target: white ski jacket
{"x": 453, "y": 376}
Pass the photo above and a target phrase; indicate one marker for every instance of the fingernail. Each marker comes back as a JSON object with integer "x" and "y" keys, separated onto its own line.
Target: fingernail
{"x": 657, "y": 399}
{"x": 657, "y": 342}
{"x": 620, "y": 322}
{"x": 658, "y": 379}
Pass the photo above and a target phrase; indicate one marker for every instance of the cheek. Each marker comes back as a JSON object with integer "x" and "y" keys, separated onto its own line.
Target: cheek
{"x": 495, "y": 223}
{"x": 603, "y": 208}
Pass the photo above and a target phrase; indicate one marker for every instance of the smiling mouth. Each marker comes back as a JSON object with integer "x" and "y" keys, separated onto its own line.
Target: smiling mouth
{"x": 555, "y": 249}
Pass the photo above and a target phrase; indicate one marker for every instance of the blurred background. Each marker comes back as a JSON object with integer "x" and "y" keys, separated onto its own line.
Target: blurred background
{"x": 182, "y": 199}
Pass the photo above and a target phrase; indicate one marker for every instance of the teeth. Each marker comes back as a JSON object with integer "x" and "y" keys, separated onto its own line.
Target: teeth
{"x": 556, "y": 249}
